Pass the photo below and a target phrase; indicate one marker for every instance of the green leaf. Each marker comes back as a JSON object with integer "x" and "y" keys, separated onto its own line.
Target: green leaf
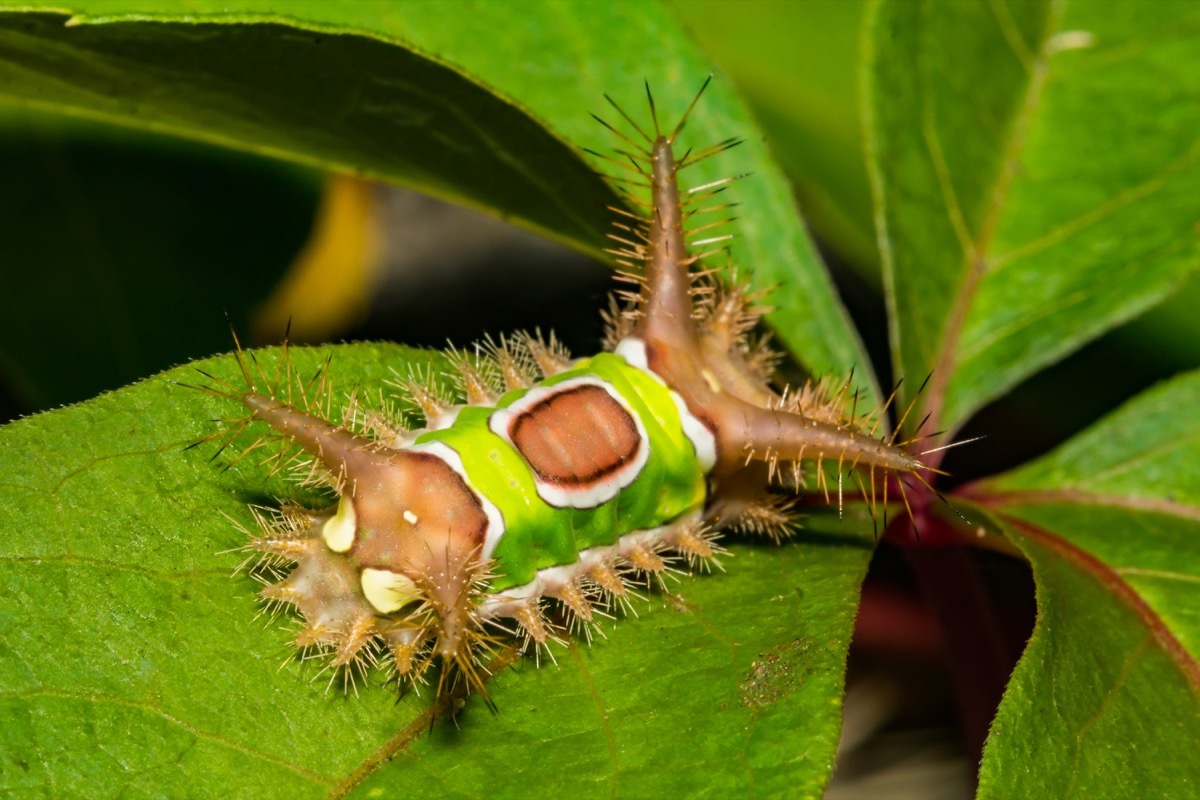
{"x": 405, "y": 92}
{"x": 1037, "y": 179}
{"x": 1146, "y": 451}
{"x": 1104, "y": 703}
{"x": 814, "y": 124}
{"x": 303, "y": 92}
{"x": 133, "y": 664}
{"x": 1110, "y": 522}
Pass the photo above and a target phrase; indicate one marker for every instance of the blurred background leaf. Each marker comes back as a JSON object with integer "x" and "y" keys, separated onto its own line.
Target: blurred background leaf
{"x": 438, "y": 128}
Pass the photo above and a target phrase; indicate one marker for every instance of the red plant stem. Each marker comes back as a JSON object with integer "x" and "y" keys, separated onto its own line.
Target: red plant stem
{"x": 978, "y": 657}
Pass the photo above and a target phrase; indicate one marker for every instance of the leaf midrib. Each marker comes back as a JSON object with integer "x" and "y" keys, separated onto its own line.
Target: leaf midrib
{"x": 1002, "y": 499}
{"x": 441, "y": 708}
{"x": 1112, "y": 581}
{"x": 977, "y": 262}
{"x": 199, "y": 733}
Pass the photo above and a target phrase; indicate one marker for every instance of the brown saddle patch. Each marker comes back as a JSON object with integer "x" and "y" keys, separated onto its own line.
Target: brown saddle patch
{"x": 576, "y": 437}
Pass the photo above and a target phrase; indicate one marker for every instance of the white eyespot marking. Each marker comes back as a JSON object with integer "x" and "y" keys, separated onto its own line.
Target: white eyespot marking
{"x": 702, "y": 439}
{"x": 338, "y": 531}
{"x": 388, "y": 591}
{"x": 443, "y": 420}
{"x": 634, "y": 352}
{"x": 410, "y": 517}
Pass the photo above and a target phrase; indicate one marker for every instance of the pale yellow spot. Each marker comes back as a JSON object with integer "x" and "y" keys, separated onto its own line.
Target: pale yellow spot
{"x": 338, "y": 532}
{"x": 388, "y": 591}
{"x": 409, "y": 517}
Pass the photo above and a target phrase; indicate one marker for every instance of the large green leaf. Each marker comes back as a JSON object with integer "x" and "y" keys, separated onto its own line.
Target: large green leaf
{"x": 1037, "y": 176}
{"x": 486, "y": 108}
{"x": 1111, "y": 524}
{"x": 132, "y": 664}
{"x": 1105, "y": 702}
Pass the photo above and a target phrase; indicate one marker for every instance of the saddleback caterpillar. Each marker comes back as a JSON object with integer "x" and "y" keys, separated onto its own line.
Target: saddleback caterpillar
{"x": 536, "y": 503}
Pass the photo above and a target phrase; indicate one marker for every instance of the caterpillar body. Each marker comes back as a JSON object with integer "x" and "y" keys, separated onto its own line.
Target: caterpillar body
{"x": 538, "y": 504}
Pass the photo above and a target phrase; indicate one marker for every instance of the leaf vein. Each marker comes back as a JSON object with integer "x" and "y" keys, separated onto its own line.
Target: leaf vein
{"x": 1081, "y": 496}
{"x": 1089, "y": 218}
{"x": 1102, "y": 708}
{"x": 1012, "y": 35}
{"x": 976, "y": 264}
{"x": 602, "y": 710}
{"x": 1157, "y": 573}
{"x": 69, "y": 558}
{"x": 199, "y": 733}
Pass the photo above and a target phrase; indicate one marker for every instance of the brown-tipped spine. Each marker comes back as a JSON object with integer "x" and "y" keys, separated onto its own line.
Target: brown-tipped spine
{"x": 665, "y": 300}
{"x": 335, "y": 447}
